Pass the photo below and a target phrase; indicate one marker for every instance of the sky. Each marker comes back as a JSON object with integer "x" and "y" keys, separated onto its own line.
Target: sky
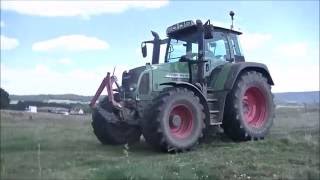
{"x": 59, "y": 47}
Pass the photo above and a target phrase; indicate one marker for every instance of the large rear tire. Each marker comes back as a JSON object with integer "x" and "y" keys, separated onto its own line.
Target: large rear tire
{"x": 109, "y": 132}
{"x": 249, "y": 111}
{"x": 175, "y": 121}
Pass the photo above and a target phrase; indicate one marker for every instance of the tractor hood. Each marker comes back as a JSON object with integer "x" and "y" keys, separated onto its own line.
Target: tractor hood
{"x": 138, "y": 82}
{"x": 130, "y": 79}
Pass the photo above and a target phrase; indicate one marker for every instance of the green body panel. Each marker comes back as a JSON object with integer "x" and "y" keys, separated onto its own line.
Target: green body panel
{"x": 222, "y": 78}
{"x": 213, "y": 64}
{"x": 162, "y": 73}
{"x": 175, "y": 71}
{"x": 149, "y": 95}
{"x": 179, "y": 71}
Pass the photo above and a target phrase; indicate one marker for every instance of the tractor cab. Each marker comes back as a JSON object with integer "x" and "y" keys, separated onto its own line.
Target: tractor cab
{"x": 203, "y": 46}
{"x": 196, "y": 41}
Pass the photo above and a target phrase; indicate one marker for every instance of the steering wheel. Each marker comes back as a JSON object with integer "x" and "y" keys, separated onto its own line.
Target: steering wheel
{"x": 218, "y": 56}
{"x": 209, "y": 54}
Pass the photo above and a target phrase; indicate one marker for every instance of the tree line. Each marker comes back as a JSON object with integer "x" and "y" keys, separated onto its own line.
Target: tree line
{"x": 23, "y": 104}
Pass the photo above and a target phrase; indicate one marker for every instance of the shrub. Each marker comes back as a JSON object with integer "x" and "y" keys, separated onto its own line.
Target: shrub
{"x": 4, "y": 96}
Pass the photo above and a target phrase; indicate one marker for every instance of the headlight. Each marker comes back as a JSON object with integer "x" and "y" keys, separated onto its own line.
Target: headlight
{"x": 132, "y": 87}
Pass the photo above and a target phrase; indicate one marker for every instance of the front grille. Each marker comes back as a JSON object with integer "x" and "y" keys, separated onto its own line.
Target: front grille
{"x": 144, "y": 84}
{"x": 130, "y": 79}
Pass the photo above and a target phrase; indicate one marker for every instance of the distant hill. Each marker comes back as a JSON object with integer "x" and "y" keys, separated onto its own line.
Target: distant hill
{"x": 287, "y": 97}
{"x": 297, "y": 97}
{"x": 47, "y": 97}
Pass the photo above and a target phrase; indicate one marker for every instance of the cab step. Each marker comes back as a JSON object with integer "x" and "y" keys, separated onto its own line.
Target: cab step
{"x": 212, "y": 100}
{"x": 214, "y": 111}
{"x": 210, "y": 90}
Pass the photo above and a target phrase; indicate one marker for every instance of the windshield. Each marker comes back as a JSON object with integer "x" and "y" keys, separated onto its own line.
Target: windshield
{"x": 178, "y": 48}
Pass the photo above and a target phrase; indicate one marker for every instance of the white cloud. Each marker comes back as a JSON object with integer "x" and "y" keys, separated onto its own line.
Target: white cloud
{"x": 8, "y": 43}
{"x": 219, "y": 23}
{"x": 41, "y": 69}
{"x": 44, "y": 80}
{"x": 294, "y": 66}
{"x": 2, "y": 24}
{"x": 293, "y": 78}
{"x": 296, "y": 49}
{"x": 79, "y": 8}
{"x": 252, "y": 41}
{"x": 65, "y": 61}
{"x": 71, "y": 43}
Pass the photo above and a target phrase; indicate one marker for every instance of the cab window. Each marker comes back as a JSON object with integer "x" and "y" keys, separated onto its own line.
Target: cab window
{"x": 217, "y": 47}
{"x": 183, "y": 46}
{"x": 179, "y": 48}
{"x": 235, "y": 45}
{"x": 237, "y": 52}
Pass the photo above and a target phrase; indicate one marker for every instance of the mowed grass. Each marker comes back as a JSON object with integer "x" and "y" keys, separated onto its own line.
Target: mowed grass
{"x": 49, "y": 146}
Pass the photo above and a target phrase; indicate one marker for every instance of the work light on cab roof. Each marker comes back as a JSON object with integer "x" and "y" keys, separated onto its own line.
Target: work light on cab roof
{"x": 179, "y": 26}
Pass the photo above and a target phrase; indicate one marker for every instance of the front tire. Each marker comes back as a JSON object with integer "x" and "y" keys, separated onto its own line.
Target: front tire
{"x": 114, "y": 133}
{"x": 249, "y": 110}
{"x": 175, "y": 121}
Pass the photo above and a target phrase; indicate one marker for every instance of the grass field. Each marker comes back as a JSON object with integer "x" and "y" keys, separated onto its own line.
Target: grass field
{"x": 49, "y": 146}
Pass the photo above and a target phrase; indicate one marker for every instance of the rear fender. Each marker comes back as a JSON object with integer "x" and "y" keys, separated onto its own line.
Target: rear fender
{"x": 230, "y": 73}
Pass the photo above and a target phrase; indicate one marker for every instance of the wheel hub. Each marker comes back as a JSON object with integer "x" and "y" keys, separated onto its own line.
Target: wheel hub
{"x": 254, "y": 107}
{"x": 176, "y": 121}
{"x": 181, "y": 121}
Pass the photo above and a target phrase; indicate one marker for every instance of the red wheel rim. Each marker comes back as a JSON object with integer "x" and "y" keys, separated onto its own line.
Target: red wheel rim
{"x": 181, "y": 121}
{"x": 255, "y": 108}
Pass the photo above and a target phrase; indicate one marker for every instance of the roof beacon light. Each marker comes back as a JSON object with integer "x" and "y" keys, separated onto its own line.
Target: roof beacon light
{"x": 231, "y": 14}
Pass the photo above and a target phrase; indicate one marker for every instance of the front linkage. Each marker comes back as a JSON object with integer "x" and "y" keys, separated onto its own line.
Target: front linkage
{"x": 121, "y": 110}
{"x": 112, "y": 118}
{"x": 107, "y": 82}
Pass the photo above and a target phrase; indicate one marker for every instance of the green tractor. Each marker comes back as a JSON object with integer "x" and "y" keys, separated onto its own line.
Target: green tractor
{"x": 203, "y": 82}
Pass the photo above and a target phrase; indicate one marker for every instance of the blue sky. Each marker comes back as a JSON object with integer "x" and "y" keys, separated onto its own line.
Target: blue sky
{"x": 67, "y": 47}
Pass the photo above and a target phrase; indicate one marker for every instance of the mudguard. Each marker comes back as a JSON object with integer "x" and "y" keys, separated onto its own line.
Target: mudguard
{"x": 230, "y": 72}
{"x": 187, "y": 85}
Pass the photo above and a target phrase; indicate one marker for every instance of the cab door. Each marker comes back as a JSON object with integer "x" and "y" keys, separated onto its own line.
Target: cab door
{"x": 217, "y": 52}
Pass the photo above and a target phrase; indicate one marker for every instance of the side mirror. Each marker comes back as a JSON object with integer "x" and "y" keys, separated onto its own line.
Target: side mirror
{"x": 144, "y": 50}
